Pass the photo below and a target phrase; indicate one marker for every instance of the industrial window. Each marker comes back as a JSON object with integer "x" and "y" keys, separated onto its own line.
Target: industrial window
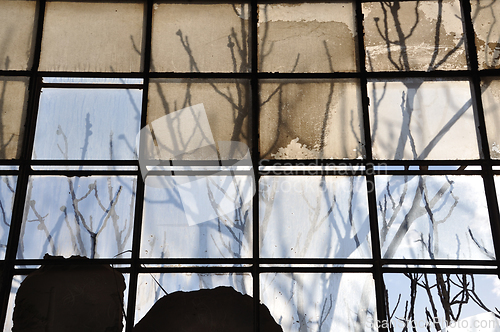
{"x": 336, "y": 160}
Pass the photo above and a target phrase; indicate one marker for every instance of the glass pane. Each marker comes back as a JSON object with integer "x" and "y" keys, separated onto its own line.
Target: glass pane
{"x": 433, "y": 217}
{"x": 308, "y": 38}
{"x": 414, "y": 35}
{"x": 90, "y": 80}
{"x": 320, "y": 302}
{"x": 225, "y": 106}
{"x": 442, "y": 302}
{"x": 16, "y": 282}
{"x": 311, "y": 120}
{"x": 17, "y": 20}
{"x": 87, "y": 124}
{"x": 7, "y": 191}
{"x": 417, "y": 119}
{"x": 200, "y": 38}
{"x": 487, "y": 29}
{"x": 314, "y": 217}
{"x": 98, "y": 37}
{"x": 149, "y": 290}
{"x": 208, "y": 217}
{"x": 85, "y": 216}
{"x": 13, "y": 104}
{"x": 491, "y": 104}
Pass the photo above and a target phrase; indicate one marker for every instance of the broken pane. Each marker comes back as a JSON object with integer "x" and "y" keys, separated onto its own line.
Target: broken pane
{"x": 311, "y": 120}
{"x": 98, "y": 37}
{"x": 433, "y": 217}
{"x": 200, "y": 38}
{"x": 87, "y": 124}
{"x": 442, "y": 302}
{"x": 314, "y": 217}
{"x": 417, "y": 119}
{"x": 7, "y": 191}
{"x": 13, "y": 104}
{"x": 224, "y": 104}
{"x": 17, "y": 19}
{"x": 487, "y": 29}
{"x": 414, "y": 35}
{"x": 491, "y": 104}
{"x": 320, "y": 302}
{"x": 86, "y": 216}
{"x": 307, "y": 38}
{"x": 151, "y": 287}
{"x": 208, "y": 217}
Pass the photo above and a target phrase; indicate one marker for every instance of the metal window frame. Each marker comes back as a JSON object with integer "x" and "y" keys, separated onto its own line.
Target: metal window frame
{"x": 377, "y": 265}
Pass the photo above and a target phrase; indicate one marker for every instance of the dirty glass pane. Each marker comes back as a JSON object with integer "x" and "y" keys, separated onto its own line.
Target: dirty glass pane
{"x": 7, "y": 191}
{"x": 224, "y": 105}
{"x": 149, "y": 291}
{"x": 208, "y": 217}
{"x": 487, "y": 29}
{"x": 414, "y": 35}
{"x": 200, "y": 38}
{"x": 417, "y": 119}
{"x": 311, "y": 120}
{"x": 17, "y": 20}
{"x": 491, "y": 104}
{"x": 433, "y": 217}
{"x": 13, "y": 103}
{"x": 307, "y": 38}
{"x": 320, "y": 302}
{"x": 16, "y": 282}
{"x": 98, "y": 37}
{"x": 442, "y": 302}
{"x": 87, "y": 124}
{"x": 86, "y": 216}
{"x": 314, "y": 217}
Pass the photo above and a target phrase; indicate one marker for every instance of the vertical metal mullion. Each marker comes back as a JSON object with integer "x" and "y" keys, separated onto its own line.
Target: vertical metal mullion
{"x": 255, "y": 104}
{"x": 24, "y": 167}
{"x": 370, "y": 178}
{"x": 139, "y": 203}
{"x": 487, "y": 172}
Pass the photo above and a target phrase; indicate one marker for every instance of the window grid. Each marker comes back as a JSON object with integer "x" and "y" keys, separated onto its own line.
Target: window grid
{"x": 378, "y": 264}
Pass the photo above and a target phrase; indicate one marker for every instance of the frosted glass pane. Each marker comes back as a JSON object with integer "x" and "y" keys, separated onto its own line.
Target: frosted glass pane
{"x": 17, "y": 20}
{"x": 442, "y": 302}
{"x": 148, "y": 291}
{"x": 433, "y": 217}
{"x": 487, "y": 29}
{"x": 416, "y": 119}
{"x": 225, "y": 103}
{"x": 16, "y": 282}
{"x": 98, "y": 37}
{"x": 86, "y": 216}
{"x": 7, "y": 191}
{"x": 309, "y": 37}
{"x": 491, "y": 104}
{"x": 311, "y": 120}
{"x": 13, "y": 104}
{"x": 208, "y": 217}
{"x": 314, "y": 217}
{"x": 87, "y": 124}
{"x": 414, "y": 35}
{"x": 200, "y": 38}
{"x": 320, "y": 302}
